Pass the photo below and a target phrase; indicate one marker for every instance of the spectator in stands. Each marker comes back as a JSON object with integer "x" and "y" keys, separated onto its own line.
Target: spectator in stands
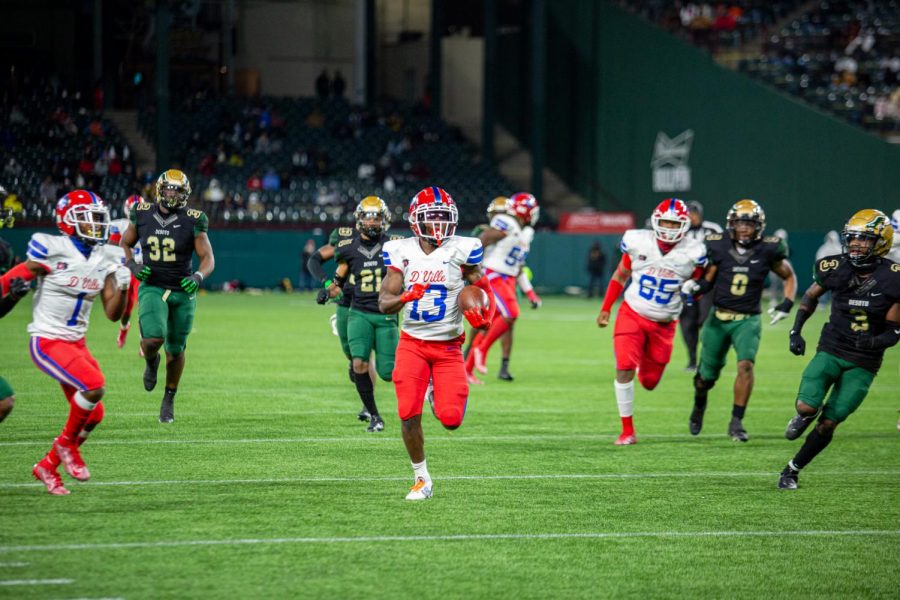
{"x": 263, "y": 144}
{"x": 101, "y": 166}
{"x": 254, "y": 182}
{"x": 254, "y": 205}
{"x": 271, "y": 180}
{"x": 212, "y": 199}
{"x": 207, "y": 165}
{"x": 95, "y": 127}
{"x": 323, "y": 84}
{"x": 338, "y": 85}
{"x": 235, "y": 160}
{"x": 596, "y": 268}
{"x": 315, "y": 120}
{"x": 48, "y": 189}
{"x": 300, "y": 162}
{"x": 12, "y": 169}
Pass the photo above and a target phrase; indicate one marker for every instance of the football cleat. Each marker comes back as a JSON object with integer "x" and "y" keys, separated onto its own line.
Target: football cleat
{"x": 70, "y": 457}
{"x": 363, "y": 415}
{"x": 421, "y": 490}
{"x": 797, "y": 425}
{"x": 691, "y": 368}
{"x": 50, "y": 478}
{"x": 123, "y": 334}
{"x": 479, "y": 361}
{"x": 696, "y": 420}
{"x": 150, "y": 373}
{"x": 504, "y": 375}
{"x": 375, "y": 425}
{"x": 167, "y": 408}
{"x": 736, "y": 430}
{"x": 788, "y": 479}
{"x": 626, "y": 439}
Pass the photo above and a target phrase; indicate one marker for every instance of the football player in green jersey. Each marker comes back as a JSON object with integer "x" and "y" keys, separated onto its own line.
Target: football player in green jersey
{"x": 170, "y": 234}
{"x": 738, "y": 265}
{"x": 342, "y": 313}
{"x": 360, "y": 257}
{"x": 18, "y": 289}
{"x": 864, "y": 322}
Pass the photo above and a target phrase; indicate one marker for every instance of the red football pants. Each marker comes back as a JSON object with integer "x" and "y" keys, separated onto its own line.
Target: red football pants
{"x": 642, "y": 344}
{"x": 417, "y": 361}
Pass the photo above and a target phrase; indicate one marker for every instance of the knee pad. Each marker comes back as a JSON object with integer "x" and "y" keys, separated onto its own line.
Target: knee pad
{"x": 702, "y": 385}
{"x": 175, "y": 350}
{"x": 385, "y": 372}
{"x": 451, "y": 417}
{"x": 650, "y": 380}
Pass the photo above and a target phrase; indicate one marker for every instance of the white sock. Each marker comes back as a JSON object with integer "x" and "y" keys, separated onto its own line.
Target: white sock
{"x": 421, "y": 470}
{"x": 625, "y": 398}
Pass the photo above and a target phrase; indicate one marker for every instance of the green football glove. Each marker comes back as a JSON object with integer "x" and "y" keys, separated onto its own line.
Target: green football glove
{"x": 140, "y": 272}
{"x": 192, "y": 284}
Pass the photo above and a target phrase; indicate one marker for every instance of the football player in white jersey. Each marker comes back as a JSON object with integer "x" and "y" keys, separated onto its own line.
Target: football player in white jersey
{"x": 506, "y": 245}
{"x": 894, "y": 253}
{"x": 657, "y": 261}
{"x": 72, "y": 270}
{"x": 425, "y": 275}
{"x": 116, "y": 230}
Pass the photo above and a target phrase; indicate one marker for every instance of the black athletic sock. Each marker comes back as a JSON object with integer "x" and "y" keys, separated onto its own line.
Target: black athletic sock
{"x": 815, "y": 442}
{"x": 738, "y": 411}
{"x": 504, "y": 364}
{"x": 352, "y": 374}
{"x": 170, "y": 391}
{"x": 700, "y": 397}
{"x": 366, "y": 392}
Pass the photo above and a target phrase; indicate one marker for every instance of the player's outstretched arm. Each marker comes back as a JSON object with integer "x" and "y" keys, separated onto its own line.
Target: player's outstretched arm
{"x": 491, "y": 235}
{"x": 15, "y": 283}
{"x": 320, "y": 256}
{"x": 614, "y": 289}
{"x": 115, "y": 293}
{"x": 390, "y": 298}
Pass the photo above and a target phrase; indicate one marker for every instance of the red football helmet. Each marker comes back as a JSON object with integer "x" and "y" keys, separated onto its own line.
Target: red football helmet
{"x": 82, "y": 214}
{"x": 525, "y": 206}
{"x": 130, "y": 201}
{"x": 675, "y": 210}
{"x": 433, "y": 215}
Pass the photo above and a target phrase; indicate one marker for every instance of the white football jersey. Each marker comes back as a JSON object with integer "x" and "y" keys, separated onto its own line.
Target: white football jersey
{"x": 655, "y": 290}
{"x": 62, "y": 302}
{"x": 508, "y": 255}
{"x": 894, "y": 253}
{"x": 117, "y": 227}
{"x": 435, "y": 316}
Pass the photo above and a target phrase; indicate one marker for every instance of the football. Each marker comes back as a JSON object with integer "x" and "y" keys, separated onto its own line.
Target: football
{"x": 471, "y": 297}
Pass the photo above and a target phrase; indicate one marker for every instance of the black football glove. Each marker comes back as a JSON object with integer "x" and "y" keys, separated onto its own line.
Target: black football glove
{"x": 322, "y": 296}
{"x": 191, "y": 284}
{"x": 867, "y": 341}
{"x": 18, "y": 288}
{"x": 140, "y": 272}
{"x": 798, "y": 344}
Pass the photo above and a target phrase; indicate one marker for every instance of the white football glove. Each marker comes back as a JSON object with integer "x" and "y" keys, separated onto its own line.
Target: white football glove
{"x": 690, "y": 287}
{"x": 776, "y": 315}
{"x": 123, "y": 277}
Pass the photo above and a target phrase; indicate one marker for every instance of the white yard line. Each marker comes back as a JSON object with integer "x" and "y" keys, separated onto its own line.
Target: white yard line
{"x": 449, "y": 538}
{"x": 5, "y": 565}
{"x": 511, "y": 477}
{"x": 12, "y": 582}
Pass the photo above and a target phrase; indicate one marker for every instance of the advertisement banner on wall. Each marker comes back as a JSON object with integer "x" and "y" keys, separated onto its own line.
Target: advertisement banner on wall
{"x": 592, "y": 221}
{"x": 671, "y": 172}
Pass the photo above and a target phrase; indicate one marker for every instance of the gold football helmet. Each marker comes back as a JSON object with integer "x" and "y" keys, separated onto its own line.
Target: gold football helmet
{"x": 498, "y": 206}
{"x": 746, "y": 210}
{"x": 173, "y": 189}
{"x": 872, "y": 233}
{"x": 368, "y": 210}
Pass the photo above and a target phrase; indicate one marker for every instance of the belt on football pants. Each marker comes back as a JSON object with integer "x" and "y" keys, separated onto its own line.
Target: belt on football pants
{"x": 728, "y": 315}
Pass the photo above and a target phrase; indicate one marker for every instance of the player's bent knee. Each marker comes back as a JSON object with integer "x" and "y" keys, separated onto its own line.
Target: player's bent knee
{"x": 703, "y": 385}
{"x": 94, "y": 395}
{"x": 175, "y": 350}
{"x": 360, "y": 366}
{"x": 826, "y": 426}
{"x": 451, "y": 418}
{"x": 805, "y": 409}
{"x": 6, "y": 406}
{"x": 745, "y": 367}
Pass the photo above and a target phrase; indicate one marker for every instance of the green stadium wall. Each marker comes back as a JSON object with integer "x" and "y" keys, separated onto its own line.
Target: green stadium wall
{"x": 263, "y": 257}
{"x": 614, "y": 81}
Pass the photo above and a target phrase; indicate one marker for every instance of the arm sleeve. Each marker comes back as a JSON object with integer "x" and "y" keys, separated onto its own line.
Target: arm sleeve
{"x": 314, "y": 264}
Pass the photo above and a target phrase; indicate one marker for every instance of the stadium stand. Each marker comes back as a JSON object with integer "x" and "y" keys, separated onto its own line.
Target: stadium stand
{"x": 842, "y": 56}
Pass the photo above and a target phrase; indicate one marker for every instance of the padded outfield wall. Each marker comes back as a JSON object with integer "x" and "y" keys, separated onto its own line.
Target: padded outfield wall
{"x": 621, "y": 91}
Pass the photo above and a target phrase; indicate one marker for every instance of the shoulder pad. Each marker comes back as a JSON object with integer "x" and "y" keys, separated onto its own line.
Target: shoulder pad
{"x": 714, "y": 237}
{"x": 345, "y": 231}
{"x": 828, "y": 264}
{"x": 343, "y": 243}
{"x": 143, "y": 206}
{"x": 194, "y": 213}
